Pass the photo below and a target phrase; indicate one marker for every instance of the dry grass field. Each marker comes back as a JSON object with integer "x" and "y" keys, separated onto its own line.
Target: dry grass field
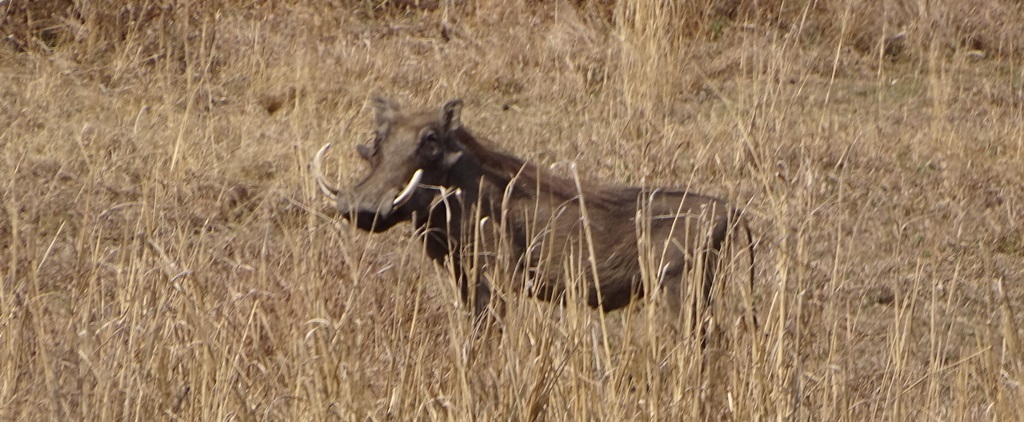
{"x": 165, "y": 254}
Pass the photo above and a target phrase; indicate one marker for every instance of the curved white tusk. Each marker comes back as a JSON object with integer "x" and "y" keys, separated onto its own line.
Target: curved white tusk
{"x": 406, "y": 193}
{"x": 325, "y": 187}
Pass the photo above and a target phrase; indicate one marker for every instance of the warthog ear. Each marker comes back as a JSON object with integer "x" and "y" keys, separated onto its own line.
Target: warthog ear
{"x": 451, "y": 115}
{"x": 386, "y": 111}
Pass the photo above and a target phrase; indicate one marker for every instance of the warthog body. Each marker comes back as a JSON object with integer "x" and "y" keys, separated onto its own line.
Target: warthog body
{"x": 480, "y": 209}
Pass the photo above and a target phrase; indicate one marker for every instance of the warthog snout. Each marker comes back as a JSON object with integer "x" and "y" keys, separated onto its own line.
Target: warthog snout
{"x": 371, "y": 204}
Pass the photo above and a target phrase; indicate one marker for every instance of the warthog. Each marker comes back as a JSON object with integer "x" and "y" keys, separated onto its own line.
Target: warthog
{"x": 473, "y": 204}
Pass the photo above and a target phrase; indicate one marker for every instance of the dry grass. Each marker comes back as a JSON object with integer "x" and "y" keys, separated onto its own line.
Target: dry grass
{"x": 165, "y": 254}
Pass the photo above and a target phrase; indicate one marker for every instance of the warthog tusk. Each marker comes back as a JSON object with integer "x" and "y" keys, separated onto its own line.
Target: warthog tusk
{"x": 325, "y": 187}
{"x": 406, "y": 193}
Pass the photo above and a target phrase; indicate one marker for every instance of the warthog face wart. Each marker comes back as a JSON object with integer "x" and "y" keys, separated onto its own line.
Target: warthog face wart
{"x": 474, "y": 205}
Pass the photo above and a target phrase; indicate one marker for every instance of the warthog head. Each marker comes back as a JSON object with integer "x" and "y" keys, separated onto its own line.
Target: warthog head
{"x": 409, "y": 160}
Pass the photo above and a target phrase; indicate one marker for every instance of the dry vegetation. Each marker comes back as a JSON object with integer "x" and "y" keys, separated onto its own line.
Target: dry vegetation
{"x": 164, "y": 253}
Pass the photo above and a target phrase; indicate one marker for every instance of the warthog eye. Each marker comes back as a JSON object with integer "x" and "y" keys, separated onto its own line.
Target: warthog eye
{"x": 365, "y": 151}
{"x": 430, "y": 147}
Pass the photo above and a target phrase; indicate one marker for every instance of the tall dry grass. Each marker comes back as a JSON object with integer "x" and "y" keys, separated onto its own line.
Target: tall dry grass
{"x": 165, "y": 254}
